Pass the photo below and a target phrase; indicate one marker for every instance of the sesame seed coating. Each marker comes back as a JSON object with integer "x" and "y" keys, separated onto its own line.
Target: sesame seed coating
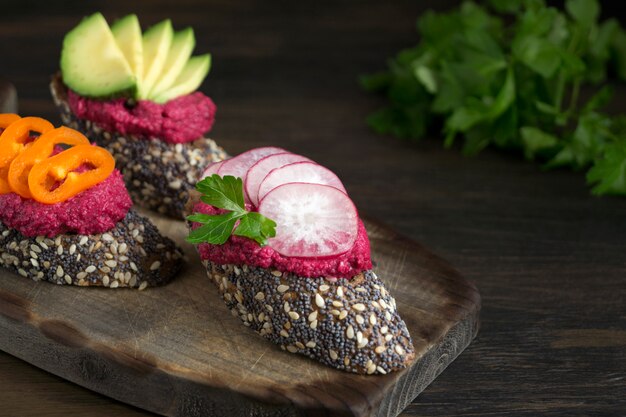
{"x": 86, "y": 260}
{"x": 300, "y": 316}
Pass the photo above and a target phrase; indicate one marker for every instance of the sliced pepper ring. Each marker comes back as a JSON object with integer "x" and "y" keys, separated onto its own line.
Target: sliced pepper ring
{"x": 40, "y": 150}
{"x": 58, "y": 171}
{"x": 7, "y": 118}
{"x": 13, "y": 140}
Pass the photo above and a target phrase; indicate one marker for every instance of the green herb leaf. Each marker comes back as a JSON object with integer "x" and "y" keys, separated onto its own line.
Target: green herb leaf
{"x": 599, "y": 100}
{"x": 215, "y": 229}
{"x": 609, "y": 173}
{"x": 227, "y": 193}
{"x": 427, "y": 78}
{"x": 222, "y": 192}
{"x": 535, "y": 141}
{"x": 256, "y": 227}
{"x": 538, "y": 54}
{"x": 505, "y": 96}
{"x": 584, "y": 11}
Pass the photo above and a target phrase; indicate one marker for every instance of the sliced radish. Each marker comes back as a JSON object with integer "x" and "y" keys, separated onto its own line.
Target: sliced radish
{"x": 257, "y": 173}
{"x": 211, "y": 169}
{"x": 308, "y": 172}
{"x": 312, "y": 220}
{"x": 239, "y": 165}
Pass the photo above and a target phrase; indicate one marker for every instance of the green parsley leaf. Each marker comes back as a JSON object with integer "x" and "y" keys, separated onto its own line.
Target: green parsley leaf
{"x": 600, "y": 99}
{"x": 584, "y": 11}
{"x": 609, "y": 173}
{"x": 227, "y": 193}
{"x": 538, "y": 54}
{"x": 257, "y": 227}
{"x": 222, "y": 192}
{"x": 505, "y": 97}
{"x": 215, "y": 229}
{"x": 535, "y": 141}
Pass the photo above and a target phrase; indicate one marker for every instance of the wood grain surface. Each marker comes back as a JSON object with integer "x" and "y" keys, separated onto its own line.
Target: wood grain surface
{"x": 177, "y": 351}
{"x": 548, "y": 258}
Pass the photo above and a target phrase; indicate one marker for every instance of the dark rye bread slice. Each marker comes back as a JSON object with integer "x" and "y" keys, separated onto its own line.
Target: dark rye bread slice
{"x": 348, "y": 324}
{"x": 158, "y": 175}
{"x": 351, "y": 325}
{"x": 133, "y": 254}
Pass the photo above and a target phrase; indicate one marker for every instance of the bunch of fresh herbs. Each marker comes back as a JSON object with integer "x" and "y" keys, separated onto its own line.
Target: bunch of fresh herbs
{"x": 509, "y": 73}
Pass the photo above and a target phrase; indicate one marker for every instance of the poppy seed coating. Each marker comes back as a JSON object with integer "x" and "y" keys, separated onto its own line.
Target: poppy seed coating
{"x": 351, "y": 325}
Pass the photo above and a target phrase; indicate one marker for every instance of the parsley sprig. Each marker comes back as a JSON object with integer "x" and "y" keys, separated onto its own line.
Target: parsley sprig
{"x": 227, "y": 193}
{"x": 512, "y": 74}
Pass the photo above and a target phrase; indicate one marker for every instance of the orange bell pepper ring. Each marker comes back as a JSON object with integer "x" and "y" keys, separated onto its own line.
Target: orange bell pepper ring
{"x": 40, "y": 150}
{"x": 13, "y": 140}
{"x": 7, "y": 118}
{"x": 54, "y": 180}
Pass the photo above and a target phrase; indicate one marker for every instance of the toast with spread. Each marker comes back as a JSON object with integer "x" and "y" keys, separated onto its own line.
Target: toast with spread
{"x": 284, "y": 244}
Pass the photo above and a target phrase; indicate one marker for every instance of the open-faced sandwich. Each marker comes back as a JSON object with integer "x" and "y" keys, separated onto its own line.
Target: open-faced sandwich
{"x": 290, "y": 256}
{"x": 135, "y": 94}
{"x": 65, "y": 214}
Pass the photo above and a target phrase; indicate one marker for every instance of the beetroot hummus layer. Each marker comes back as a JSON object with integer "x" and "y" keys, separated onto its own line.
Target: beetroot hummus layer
{"x": 240, "y": 250}
{"x": 183, "y": 119}
{"x": 93, "y": 211}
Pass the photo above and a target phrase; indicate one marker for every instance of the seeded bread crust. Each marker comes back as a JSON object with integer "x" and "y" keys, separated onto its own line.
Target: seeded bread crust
{"x": 132, "y": 254}
{"x": 349, "y": 324}
{"x": 158, "y": 175}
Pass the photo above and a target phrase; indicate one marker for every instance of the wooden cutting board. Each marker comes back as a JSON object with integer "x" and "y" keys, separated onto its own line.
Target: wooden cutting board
{"x": 177, "y": 351}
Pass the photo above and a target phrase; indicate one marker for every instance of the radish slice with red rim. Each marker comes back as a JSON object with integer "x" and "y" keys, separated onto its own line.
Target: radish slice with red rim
{"x": 312, "y": 220}
{"x": 211, "y": 169}
{"x": 240, "y": 164}
{"x": 308, "y": 172}
{"x": 257, "y": 173}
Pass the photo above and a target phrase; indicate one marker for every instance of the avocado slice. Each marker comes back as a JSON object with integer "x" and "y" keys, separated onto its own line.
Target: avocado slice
{"x": 156, "y": 46}
{"x": 189, "y": 79}
{"x": 182, "y": 46}
{"x": 127, "y": 34}
{"x": 92, "y": 64}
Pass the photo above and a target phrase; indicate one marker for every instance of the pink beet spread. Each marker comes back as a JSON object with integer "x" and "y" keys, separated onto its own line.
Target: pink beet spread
{"x": 93, "y": 211}
{"x": 240, "y": 250}
{"x": 183, "y": 119}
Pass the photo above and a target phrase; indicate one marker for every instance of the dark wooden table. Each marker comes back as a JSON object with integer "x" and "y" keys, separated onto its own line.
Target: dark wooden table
{"x": 548, "y": 258}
